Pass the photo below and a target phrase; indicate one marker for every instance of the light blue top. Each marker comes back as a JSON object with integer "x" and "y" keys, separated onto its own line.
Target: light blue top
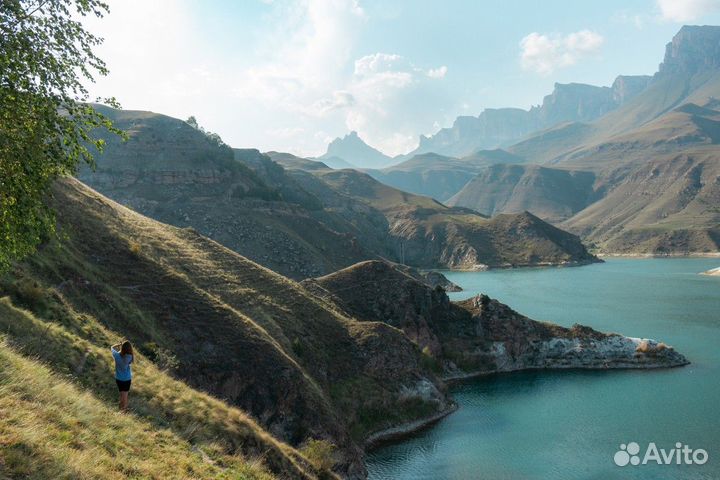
{"x": 122, "y": 365}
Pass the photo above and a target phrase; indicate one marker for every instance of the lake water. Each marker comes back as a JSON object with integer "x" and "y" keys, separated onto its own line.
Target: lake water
{"x": 567, "y": 425}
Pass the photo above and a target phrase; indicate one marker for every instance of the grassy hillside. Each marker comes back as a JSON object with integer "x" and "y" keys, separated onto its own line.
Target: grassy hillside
{"x": 219, "y": 324}
{"x": 428, "y": 233}
{"x": 55, "y": 428}
{"x": 439, "y": 176}
{"x": 551, "y": 194}
{"x": 174, "y": 173}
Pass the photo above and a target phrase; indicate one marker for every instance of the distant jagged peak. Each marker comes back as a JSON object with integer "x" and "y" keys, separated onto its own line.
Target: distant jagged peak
{"x": 353, "y": 150}
{"x": 694, "y": 48}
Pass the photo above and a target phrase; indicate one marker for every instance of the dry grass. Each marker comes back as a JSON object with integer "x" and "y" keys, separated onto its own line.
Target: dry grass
{"x": 159, "y": 401}
{"x": 50, "y": 428}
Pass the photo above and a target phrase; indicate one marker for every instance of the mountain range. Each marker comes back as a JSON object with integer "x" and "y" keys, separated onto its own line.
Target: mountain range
{"x": 633, "y": 168}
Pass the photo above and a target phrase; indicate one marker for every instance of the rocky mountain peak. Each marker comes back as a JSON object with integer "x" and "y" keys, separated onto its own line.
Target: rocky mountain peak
{"x": 694, "y": 48}
{"x": 352, "y": 149}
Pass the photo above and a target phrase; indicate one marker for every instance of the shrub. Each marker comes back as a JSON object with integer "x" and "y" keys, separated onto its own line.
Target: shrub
{"x": 298, "y": 347}
{"x": 30, "y": 294}
{"x": 428, "y": 361}
{"x": 320, "y": 453}
{"x": 643, "y": 347}
{"x": 162, "y": 358}
{"x": 135, "y": 248}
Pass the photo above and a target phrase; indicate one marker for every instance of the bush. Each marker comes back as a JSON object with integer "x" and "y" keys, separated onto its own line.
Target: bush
{"x": 30, "y": 294}
{"x": 320, "y": 453}
{"x": 298, "y": 347}
{"x": 135, "y": 248}
{"x": 161, "y": 357}
{"x": 428, "y": 361}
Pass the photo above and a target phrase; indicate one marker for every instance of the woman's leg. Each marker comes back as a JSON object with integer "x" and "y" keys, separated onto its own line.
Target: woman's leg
{"x": 123, "y": 400}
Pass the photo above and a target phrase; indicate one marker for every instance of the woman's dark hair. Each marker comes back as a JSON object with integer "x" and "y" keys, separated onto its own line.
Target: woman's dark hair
{"x": 126, "y": 348}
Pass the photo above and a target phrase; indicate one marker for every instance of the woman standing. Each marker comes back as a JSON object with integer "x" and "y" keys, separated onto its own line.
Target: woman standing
{"x": 123, "y": 355}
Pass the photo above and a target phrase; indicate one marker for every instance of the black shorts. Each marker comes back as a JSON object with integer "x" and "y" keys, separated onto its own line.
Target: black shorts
{"x": 123, "y": 385}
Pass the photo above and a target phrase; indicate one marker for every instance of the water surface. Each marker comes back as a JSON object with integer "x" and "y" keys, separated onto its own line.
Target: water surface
{"x": 567, "y": 425}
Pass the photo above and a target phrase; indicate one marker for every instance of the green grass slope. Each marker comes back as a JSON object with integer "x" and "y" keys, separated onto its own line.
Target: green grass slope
{"x": 551, "y": 194}
{"x": 427, "y": 233}
{"x": 439, "y": 176}
{"x": 274, "y": 362}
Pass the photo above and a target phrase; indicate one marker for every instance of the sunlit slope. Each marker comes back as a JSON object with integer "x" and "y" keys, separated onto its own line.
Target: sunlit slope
{"x": 236, "y": 330}
{"x": 60, "y": 419}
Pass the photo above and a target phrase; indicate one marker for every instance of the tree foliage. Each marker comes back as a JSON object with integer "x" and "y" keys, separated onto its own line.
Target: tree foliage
{"x": 46, "y": 126}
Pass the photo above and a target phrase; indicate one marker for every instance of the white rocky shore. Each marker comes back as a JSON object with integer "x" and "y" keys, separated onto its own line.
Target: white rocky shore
{"x": 612, "y": 351}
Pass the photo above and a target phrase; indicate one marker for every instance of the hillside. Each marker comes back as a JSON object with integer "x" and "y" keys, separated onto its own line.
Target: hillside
{"x": 232, "y": 328}
{"x": 425, "y": 233}
{"x": 297, "y": 224}
{"x": 438, "y": 176}
{"x": 551, "y": 194}
{"x": 171, "y": 172}
{"x": 240, "y": 373}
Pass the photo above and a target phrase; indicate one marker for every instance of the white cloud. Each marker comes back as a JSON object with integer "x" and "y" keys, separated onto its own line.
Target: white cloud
{"x": 439, "y": 72}
{"x": 386, "y": 87}
{"x": 288, "y": 81}
{"x": 686, "y": 10}
{"x": 340, "y": 99}
{"x": 545, "y": 53}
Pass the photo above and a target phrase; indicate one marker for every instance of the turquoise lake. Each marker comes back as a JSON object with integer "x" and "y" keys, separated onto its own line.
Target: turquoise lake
{"x": 567, "y": 425}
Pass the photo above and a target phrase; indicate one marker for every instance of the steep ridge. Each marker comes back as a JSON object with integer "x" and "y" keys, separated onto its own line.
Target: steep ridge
{"x": 233, "y": 359}
{"x": 438, "y": 176}
{"x": 551, "y": 194}
{"x": 479, "y": 335}
{"x": 427, "y": 234}
{"x": 493, "y": 128}
{"x": 173, "y": 173}
{"x": 237, "y": 331}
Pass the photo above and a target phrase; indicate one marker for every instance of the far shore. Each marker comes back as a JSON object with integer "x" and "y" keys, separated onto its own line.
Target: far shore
{"x": 660, "y": 255}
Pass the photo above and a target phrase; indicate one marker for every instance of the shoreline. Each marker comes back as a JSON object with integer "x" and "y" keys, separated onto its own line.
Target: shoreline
{"x": 398, "y": 432}
{"x": 402, "y": 431}
{"x": 660, "y": 255}
{"x": 486, "y": 268}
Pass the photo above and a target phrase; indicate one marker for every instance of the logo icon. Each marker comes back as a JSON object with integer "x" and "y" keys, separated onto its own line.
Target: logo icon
{"x": 627, "y": 454}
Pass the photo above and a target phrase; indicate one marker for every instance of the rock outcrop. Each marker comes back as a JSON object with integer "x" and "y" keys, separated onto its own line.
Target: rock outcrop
{"x": 493, "y": 128}
{"x": 694, "y": 48}
{"x": 480, "y": 335}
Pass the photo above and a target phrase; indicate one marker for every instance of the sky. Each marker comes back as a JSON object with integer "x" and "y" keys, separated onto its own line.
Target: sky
{"x": 291, "y": 75}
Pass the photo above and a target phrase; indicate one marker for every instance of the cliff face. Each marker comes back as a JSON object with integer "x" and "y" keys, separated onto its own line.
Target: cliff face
{"x": 480, "y": 335}
{"x": 692, "y": 49}
{"x": 493, "y": 128}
